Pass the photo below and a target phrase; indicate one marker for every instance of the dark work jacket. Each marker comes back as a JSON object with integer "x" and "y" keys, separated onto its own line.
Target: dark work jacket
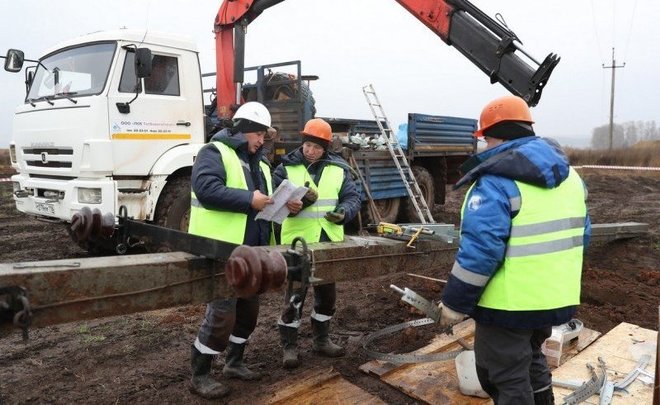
{"x": 348, "y": 197}
{"x": 209, "y": 179}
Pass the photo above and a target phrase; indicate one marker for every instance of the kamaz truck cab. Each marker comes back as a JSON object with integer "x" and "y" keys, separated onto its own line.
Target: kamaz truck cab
{"x": 91, "y": 133}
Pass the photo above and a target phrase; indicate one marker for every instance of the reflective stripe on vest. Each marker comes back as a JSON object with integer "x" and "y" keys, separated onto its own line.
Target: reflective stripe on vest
{"x": 543, "y": 263}
{"x": 227, "y": 226}
{"x": 310, "y": 221}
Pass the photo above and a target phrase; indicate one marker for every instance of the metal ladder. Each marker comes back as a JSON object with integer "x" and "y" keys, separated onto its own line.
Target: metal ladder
{"x": 414, "y": 192}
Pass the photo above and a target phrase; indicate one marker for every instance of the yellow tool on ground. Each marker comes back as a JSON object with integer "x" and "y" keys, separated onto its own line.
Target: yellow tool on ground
{"x": 410, "y": 233}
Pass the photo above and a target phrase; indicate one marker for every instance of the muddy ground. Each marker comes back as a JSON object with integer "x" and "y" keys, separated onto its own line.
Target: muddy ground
{"x": 144, "y": 358}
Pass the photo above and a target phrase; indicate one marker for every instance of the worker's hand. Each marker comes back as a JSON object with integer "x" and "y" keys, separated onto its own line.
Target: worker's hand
{"x": 449, "y": 317}
{"x": 260, "y": 200}
{"x": 294, "y": 206}
{"x": 335, "y": 216}
{"x": 310, "y": 196}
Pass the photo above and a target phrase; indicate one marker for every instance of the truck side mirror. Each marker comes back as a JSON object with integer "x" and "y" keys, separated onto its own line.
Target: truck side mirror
{"x": 142, "y": 70}
{"x": 142, "y": 62}
{"x": 14, "y": 60}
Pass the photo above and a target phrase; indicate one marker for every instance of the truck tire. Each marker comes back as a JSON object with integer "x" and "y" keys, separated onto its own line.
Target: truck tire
{"x": 387, "y": 208}
{"x": 439, "y": 173}
{"x": 173, "y": 209}
{"x": 426, "y": 185}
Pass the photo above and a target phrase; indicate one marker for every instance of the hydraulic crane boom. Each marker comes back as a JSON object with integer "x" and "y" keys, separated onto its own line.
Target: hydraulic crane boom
{"x": 488, "y": 44}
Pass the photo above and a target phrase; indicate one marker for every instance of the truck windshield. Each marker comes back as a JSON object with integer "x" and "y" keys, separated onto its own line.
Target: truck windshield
{"x": 73, "y": 72}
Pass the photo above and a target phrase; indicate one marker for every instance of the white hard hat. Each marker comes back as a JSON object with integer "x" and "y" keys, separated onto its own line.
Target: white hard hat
{"x": 255, "y": 112}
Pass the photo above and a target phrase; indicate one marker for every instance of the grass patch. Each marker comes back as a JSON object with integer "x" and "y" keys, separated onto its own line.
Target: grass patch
{"x": 644, "y": 154}
{"x": 88, "y": 337}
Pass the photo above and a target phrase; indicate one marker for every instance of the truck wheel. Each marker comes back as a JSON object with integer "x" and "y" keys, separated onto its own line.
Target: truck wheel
{"x": 425, "y": 182}
{"x": 439, "y": 173}
{"x": 173, "y": 209}
{"x": 387, "y": 208}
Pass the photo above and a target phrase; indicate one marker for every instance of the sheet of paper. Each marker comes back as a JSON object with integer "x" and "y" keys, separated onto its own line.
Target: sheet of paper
{"x": 277, "y": 211}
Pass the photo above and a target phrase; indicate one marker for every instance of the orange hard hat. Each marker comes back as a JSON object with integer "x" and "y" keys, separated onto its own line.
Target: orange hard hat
{"x": 507, "y": 108}
{"x": 318, "y": 128}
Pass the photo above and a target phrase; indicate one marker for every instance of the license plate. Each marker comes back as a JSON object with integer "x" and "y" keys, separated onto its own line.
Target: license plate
{"x": 46, "y": 209}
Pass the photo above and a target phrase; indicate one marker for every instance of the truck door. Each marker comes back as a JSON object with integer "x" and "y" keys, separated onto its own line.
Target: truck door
{"x": 166, "y": 113}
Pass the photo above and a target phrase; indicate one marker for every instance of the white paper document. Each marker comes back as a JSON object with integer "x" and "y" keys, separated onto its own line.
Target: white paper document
{"x": 277, "y": 211}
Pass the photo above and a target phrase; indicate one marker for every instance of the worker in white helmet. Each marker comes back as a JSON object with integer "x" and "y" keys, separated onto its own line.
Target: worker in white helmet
{"x": 231, "y": 183}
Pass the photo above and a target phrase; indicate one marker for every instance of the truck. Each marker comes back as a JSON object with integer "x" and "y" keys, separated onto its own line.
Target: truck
{"x": 116, "y": 118}
{"x": 435, "y": 147}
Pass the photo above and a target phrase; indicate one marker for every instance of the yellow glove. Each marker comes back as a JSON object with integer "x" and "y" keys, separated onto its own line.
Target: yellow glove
{"x": 449, "y": 317}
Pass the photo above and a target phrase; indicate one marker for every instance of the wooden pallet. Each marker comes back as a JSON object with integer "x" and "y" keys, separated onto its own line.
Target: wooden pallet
{"x": 435, "y": 382}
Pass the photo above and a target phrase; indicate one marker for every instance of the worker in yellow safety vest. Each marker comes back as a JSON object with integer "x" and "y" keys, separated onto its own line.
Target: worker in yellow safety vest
{"x": 331, "y": 201}
{"x": 230, "y": 185}
{"x": 517, "y": 272}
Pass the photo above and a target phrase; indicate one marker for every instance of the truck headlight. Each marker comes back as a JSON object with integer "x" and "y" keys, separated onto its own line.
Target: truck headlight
{"x": 15, "y": 186}
{"x": 89, "y": 195}
{"x": 12, "y": 154}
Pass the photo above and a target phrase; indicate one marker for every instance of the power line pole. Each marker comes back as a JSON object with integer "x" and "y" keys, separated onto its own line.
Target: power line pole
{"x": 613, "y": 67}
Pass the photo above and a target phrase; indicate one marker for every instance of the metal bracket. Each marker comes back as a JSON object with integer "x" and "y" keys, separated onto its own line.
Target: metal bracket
{"x": 15, "y": 307}
{"x": 299, "y": 269}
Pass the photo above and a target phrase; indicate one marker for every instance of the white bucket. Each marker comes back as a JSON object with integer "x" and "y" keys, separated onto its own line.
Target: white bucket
{"x": 466, "y": 369}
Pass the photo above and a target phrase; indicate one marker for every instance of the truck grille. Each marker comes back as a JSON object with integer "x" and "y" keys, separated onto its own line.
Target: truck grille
{"x": 48, "y": 157}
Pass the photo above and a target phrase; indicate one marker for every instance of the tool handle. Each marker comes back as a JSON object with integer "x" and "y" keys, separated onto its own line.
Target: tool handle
{"x": 397, "y": 289}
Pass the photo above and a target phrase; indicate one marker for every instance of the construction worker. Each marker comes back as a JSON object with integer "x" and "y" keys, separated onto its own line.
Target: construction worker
{"x": 332, "y": 201}
{"x": 230, "y": 185}
{"x": 517, "y": 272}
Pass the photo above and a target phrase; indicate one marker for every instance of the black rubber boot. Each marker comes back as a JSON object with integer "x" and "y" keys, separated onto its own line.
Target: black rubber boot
{"x": 201, "y": 382}
{"x": 545, "y": 397}
{"x": 234, "y": 367}
{"x": 322, "y": 343}
{"x": 289, "y": 339}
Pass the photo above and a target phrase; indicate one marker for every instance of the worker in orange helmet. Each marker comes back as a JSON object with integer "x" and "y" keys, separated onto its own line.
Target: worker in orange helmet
{"x": 331, "y": 201}
{"x": 524, "y": 228}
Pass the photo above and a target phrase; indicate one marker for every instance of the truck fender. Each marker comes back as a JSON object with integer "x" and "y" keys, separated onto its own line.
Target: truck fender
{"x": 175, "y": 159}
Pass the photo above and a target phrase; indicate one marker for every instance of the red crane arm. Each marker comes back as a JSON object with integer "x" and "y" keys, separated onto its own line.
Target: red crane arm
{"x": 435, "y": 14}
{"x": 488, "y": 44}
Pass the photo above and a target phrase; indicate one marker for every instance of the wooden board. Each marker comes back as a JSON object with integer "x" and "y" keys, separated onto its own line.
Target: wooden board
{"x": 435, "y": 382}
{"x": 621, "y": 349}
{"x": 318, "y": 387}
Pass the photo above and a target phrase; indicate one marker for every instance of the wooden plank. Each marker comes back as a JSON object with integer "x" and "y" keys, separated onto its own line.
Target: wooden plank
{"x": 318, "y": 387}
{"x": 621, "y": 349}
{"x": 464, "y": 329}
{"x": 434, "y": 382}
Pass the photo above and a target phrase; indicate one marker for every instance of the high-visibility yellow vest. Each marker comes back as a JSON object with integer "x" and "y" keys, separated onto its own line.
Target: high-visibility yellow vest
{"x": 543, "y": 263}
{"x": 310, "y": 221}
{"x": 227, "y": 226}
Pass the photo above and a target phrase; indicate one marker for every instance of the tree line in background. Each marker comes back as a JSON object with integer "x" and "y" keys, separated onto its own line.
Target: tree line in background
{"x": 624, "y": 135}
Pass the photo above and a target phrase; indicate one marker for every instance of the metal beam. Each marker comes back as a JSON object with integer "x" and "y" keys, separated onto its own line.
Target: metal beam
{"x": 61, "y": 291}
{"x": 615, "y": 231}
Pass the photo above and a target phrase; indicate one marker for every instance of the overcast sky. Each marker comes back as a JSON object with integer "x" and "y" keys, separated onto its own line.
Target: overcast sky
{"x": 351, "y": 43}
